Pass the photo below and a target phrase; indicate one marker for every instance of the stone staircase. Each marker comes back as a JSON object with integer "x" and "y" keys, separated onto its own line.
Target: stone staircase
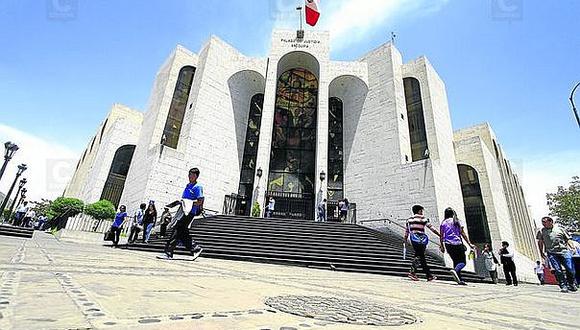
{"x": 338, "y": 246}
{"x": 9, "y": 230}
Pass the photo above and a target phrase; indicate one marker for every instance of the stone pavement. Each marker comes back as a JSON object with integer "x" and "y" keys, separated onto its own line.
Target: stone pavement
{"x": 51, "y": 284}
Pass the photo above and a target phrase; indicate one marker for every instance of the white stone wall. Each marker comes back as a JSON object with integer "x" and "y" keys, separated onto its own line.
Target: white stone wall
{"x": 122, "y": 127}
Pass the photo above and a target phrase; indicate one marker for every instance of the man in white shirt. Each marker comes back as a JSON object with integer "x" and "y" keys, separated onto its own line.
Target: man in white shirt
{"x": 20, "y": 213}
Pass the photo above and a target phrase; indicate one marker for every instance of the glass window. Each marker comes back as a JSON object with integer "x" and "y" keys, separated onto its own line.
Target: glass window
{"x": 177, "y": 108}
{"x": 251, "y": 147}
{"x": 115, "y": 182}
{"x": 475, "y": 215}
{"x": 335, "y": 147}
{"x": 415, "y": 119}
{"x": 293, "y": 157}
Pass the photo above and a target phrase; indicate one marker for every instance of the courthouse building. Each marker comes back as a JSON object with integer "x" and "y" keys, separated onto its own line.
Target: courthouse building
{"x": 299, "y": 126}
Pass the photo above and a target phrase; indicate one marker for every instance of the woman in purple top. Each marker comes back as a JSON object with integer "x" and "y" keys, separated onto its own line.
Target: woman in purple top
{"x": 452, "y": 236}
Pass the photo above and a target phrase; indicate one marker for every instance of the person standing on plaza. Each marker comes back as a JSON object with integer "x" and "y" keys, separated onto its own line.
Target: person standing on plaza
{"x": 136, "y": 224}
{"x": 29, "y": 218}
{"x": 165, "y": 220}
{"x": 192, "y": 204}
{"x": 555, "y": 244}
{"x": 490, "y": 261}
{"x": 20, "y": 213}
{"x": 539, "y": 270}
{"x": 270, "y": 207}
{"x": 452, "y": 237}
{"x": 321, "y": 210}
{"x": 506, "y": 256}
{"x": 343, "y": 210}
{"x": 117, "y": 225}
{"x": 415, "y": 231}
{"x": 149, "y": 220}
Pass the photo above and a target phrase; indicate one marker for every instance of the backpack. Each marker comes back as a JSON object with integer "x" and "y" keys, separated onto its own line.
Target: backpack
{"x": 417, "y": 238}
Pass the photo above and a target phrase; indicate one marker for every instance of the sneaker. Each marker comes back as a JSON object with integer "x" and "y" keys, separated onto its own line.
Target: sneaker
{"x": 455, "y": 276}
{"x": 462, "y": 283}
{"x": 564, "y": 290}
{"x": 432, "y": 278}
{"x": 413, "y": 277}
{"x": 197, "y": 253}
{"x": 572, "y": 288}
{"x": 165, "y": 256}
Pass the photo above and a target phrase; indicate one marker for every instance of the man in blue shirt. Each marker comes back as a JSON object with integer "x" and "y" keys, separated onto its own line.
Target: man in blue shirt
{"x": 192, "y": 203}
{"x": 117, "y": 225}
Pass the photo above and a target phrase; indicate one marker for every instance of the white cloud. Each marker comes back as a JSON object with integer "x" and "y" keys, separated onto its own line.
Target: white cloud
{"x": 50, "y": 164}
{"x": 349, "y": 21}
{"x": 543, "y": 174}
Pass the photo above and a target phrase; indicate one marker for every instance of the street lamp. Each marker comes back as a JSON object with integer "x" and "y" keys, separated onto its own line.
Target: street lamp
{"x": 20, "y": 186}
{"x": 259, "y": 173}
{"x": 573, "y": 105}
{"x": 21, "y": 169}
{"x": 9, "y": 150}
{"x": 22, "y": 197}
{"x": 322, "y": 176}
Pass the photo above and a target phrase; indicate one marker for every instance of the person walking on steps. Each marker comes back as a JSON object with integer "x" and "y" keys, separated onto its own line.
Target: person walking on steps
{"x": 117, "y": 225}
{"x": 415, "y": 231}
{"x": 554, "y": 241}
{"x": 506, "y": 256}
{"x": 165, "y": 220}
{"x": 490, "y": 261}
{"x": 321, "y": 211}
{"x": 192, "y": 204}
{"x": 136, "y": 224}
{"x": 452, "y": 237}
{"x": 149, "y": 220}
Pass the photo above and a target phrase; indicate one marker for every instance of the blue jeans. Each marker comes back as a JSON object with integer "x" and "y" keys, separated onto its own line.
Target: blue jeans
{"x": 147, "y": 232}
{"x": 559, "y": 260}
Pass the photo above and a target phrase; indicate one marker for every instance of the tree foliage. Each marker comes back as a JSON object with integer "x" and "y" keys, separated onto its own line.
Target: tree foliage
{"x": 256, "y": 210}
{"x": 101, "y": 210}
{"x": 42, "y": 207}
{"x": 66, "y": 207}
{"x": 565, "y": 205}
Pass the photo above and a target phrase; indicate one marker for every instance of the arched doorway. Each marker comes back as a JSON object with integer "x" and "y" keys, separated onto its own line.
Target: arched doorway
{"x": 475, "y": 215}
{"x": 115, "y": 183}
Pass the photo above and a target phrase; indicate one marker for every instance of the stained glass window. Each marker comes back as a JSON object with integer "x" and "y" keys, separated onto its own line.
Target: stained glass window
{"x": 335, "y": 149}
{"x": 251, "y": 146}
{"x": 416, "y": 119}
{"x": 292, "y": 160}
{"x": 177, "y": 108}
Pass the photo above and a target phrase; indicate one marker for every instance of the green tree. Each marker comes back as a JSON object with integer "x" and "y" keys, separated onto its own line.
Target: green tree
{"x": 256, "y": 211}
{"x": 565, "y": 204}
{"x": 61, "y": 209}
{"x": 42, "y": 207}
{"x": 101, "y": 210}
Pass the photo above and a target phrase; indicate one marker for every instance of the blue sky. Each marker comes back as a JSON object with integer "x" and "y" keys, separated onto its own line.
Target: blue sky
{"x": 509, "y": 62}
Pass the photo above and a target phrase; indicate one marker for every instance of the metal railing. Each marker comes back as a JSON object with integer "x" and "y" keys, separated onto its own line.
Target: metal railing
{"x": 397, "y": 223}
{"x": 333, "y": 212}
{"x": 291, "y": 205}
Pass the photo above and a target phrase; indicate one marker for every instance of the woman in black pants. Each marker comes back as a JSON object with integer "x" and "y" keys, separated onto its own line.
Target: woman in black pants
{"x": 452, "y": 237}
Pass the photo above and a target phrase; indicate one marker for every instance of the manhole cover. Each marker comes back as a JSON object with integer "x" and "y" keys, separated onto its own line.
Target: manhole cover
{"x": 341, "y": 310}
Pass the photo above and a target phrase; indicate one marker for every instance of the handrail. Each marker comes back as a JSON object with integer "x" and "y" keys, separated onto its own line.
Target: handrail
{"x": 390, "y": 221}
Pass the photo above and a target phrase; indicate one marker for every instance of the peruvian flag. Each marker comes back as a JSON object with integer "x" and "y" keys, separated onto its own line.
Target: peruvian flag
{"x": 312, "y": 12}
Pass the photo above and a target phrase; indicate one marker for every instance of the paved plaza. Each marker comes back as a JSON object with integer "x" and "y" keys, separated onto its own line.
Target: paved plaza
{"x": 50, "y": 284}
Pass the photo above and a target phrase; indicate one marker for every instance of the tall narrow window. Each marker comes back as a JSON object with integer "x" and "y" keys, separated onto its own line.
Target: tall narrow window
{"x": 115, "y": 183}
{"x": 475, "y": 215}
{"x": 293, "y": 162}
{"x": 251, "y": 147}
{"x": 177, "y": 108}
{"x": 416, "y": 119}
{"x": 335, "y": 149}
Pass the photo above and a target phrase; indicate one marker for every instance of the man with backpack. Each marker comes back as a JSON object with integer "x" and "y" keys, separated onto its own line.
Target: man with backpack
{"x": 415, "y": 232}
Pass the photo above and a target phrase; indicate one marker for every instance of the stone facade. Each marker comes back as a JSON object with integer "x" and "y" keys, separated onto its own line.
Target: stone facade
{"x": 379, "y": 172}
{"x": 121, "y": 127}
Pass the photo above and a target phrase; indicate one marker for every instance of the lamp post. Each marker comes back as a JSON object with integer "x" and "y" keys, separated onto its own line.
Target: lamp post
{"x": 21, "y": 169}
{"x": 20, "y": 186}
{"x": 322, "y": 176}
{"x": 9, "y": 150}
{"x": 573, "y": 105}
{"x": 22, "y": 197}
